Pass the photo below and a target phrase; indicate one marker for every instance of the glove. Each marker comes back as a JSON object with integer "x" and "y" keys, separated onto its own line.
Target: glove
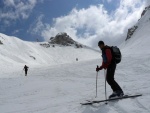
{"x": 99, "y": 68}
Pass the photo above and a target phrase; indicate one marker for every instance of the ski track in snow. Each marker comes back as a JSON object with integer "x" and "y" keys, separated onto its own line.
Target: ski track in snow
{"x": 61, "y": 89}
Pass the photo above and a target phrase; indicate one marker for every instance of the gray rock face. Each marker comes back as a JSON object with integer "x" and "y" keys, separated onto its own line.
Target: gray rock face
{"x": 144, "y": 11}
{"x": 131, "y": 32}
{"x": 1, "y": 42}
{"x": 64, "y": 40}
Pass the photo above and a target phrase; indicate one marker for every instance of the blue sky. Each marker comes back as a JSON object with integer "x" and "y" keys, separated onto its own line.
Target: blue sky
{"x": 84, "y": 20}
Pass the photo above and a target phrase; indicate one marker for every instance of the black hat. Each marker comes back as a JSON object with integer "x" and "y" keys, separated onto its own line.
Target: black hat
{"x": 100, "y": 43}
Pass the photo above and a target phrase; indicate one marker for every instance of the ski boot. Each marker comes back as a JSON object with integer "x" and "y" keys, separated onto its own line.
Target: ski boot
{"x": 116, "y": 94}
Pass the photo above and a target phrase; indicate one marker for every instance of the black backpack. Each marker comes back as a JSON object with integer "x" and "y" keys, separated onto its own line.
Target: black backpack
{"x": 116, "y": 54}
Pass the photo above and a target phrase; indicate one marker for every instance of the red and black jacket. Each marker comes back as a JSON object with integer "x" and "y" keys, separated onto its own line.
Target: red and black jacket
{"x": 106, "y": 57}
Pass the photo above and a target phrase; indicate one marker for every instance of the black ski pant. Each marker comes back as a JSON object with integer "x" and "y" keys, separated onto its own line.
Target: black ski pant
{"x": 110, "y": 77}
{"x": 26, "y": 72}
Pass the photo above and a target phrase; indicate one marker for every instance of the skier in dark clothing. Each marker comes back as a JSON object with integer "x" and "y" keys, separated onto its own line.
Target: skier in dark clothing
{"x": 26, "y": 69}
{"x": 109, "y": 64}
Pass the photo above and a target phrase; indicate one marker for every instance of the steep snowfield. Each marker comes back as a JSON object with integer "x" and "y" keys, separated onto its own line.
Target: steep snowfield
{"x": 18, "y": 51}
{"x": 140, "y": 40}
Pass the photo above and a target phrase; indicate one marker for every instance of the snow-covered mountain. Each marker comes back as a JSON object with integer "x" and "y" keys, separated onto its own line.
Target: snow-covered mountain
{"x": 15, "y": 53}
{"x": 13, "y": 50}
{"x": 138, "y": 41}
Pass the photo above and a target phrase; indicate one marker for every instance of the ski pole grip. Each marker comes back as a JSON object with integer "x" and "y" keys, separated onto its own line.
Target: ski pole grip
{"x": 97, "y": 66}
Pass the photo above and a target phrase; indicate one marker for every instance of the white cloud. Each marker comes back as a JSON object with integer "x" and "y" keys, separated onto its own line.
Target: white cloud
{"x": 90, "y": 25}
{"x": 14, "y": 9}
{"x": 37, "y": 26}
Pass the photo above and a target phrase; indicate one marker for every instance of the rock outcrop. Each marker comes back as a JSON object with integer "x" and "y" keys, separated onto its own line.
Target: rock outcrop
{"x": 64, "y": 40}
{"x": 131, "y": 32}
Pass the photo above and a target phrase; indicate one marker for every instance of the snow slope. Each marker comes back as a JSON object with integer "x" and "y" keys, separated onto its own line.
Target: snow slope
{"x": 140, "y": 40}
{"x": 61, "y": 88}
{"x": 15, "y": 53}
{"x": 19, "y": 51}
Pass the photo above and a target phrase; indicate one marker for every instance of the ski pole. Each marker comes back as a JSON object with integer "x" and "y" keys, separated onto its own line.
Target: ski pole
{"x": 22, "y": 71}
{"x": 105, "y": 86}
{"x": 96, "y": 82}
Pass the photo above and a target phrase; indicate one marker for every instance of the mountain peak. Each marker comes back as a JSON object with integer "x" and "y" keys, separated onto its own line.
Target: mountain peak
{"x": 65, "y": 40}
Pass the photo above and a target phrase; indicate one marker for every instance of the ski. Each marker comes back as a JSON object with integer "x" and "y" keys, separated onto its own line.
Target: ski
{"x": 118, "y": 98}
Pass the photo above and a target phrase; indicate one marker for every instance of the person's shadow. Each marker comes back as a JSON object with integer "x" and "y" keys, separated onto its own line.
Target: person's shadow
{"x": 97, "y": 109}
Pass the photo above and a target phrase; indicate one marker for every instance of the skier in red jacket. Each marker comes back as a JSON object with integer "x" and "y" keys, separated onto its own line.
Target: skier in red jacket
{"x": 109, "y": 64}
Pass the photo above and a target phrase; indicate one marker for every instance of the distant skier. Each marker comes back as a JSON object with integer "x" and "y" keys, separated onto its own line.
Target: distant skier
{"x": 25, "y": 69}
{"x": 109, "y": 64}
{"x": 76, "y": 59}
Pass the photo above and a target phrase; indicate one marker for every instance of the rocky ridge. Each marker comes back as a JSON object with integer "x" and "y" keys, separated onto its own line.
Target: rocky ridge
{"x": 62, "y": 39}
{"x": 132, "y": 30}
